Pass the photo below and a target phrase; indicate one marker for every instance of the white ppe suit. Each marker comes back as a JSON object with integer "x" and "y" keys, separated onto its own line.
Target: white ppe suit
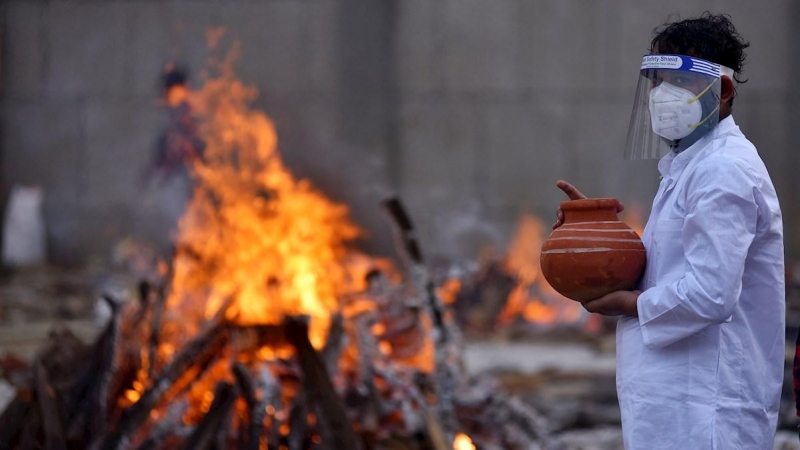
{"x": 701, "y": 367}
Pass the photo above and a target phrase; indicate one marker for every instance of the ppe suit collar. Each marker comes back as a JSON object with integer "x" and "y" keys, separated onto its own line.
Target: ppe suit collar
{"x": 672, "y": 164}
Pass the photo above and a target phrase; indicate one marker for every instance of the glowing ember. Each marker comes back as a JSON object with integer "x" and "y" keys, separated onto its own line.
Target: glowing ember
{"x": 448, "y": 291}
{"x": 463, "y": 442}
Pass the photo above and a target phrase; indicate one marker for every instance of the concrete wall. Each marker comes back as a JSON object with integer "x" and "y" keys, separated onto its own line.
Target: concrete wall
{"x": 80, "y": 110}
{"x": 470, "y": 109}
{"x": 500, "y": 98}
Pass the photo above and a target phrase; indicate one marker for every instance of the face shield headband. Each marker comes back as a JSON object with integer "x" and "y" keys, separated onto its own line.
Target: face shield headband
{"x": 677, "y": 102}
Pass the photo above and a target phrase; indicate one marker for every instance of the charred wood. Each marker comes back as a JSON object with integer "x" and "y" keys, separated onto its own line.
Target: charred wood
{"x": 368, "y": 354}
{"x": 89, "y": 394}
{"x": 272, "y": 405}
{"x": 404, "y": 229}
{"x": 31, "y": 438}
{"x": 146, "y": 292}
{"x": 63, "y": 355}
{"x": 481, "y": 301}
{"x": 158, "y": 312}
{"x": 445, "y": 334}
{"x": 106, "y": 370}
{"x": 297, "y": 439}
{"x": 253, "y": 429}
{"x": 334, "y": 344}
{"x": 436, "y": 437}
{"x": 199, "y": 351}
{"x": 13, "y": 419}
{"x": 530, "y": 421}
{"x": 48, "y": 410}
{"x": 331, "y": 415}
{"x": 166, "y": 427}
{"x": 211, "y": 432}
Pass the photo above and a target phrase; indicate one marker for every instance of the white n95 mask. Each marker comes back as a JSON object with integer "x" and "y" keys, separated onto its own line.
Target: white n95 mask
{"x": 674, "y": 112}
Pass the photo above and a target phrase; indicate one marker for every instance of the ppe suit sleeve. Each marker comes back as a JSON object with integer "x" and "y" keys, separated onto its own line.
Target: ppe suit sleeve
{"x": 719, "y": 226}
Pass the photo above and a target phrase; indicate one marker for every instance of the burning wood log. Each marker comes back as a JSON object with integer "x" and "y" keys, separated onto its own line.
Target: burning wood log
{"x": 21, "y": 422}
{"x": 158, "y": 312}
{"x": 482, "y": 299}
{"x": 263, "y": 393}
{"x": 211, "y": 432}
{"x": 145, "y": 293}
{"x": 253, "y": 432}
{"x": 48, "y": 410}
{"x": 368, "y": 353}
{"x": 520, "y": 426}
{"x": 334, "y": 344}
{"x": 298, "y": 423}
{"x": 31, "y": 432}
{"x": 331, "y": 415}
{"x": 199, "y": 352}
{"x": 165, "y": 427}
{"x": 436, "y": 437}
{"x": 13, "y": 419}
{"x": 446, "y": 353}
{"x": 410, "y": 250}
{"x": 263, "y": 201}
{"x": 274, "y": 434}
{"x": 89, "y": 392}
{"x": 107, "y": 369}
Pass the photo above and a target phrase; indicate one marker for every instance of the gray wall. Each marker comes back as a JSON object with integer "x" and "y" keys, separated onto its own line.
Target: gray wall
{"x": 503, "y": 97}
{"x": 470, "y": 109}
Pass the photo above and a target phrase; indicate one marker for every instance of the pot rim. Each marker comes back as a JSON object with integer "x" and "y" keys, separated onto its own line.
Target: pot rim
{"x": 589, "y": 203}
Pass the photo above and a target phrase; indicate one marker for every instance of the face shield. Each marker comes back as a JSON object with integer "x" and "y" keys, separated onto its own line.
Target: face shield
{"x": 677, "y": 103}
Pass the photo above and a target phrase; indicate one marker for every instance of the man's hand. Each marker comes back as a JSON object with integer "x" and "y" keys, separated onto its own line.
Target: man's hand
{"x": 574, "y": 194}
{"x": 617, "y": 303}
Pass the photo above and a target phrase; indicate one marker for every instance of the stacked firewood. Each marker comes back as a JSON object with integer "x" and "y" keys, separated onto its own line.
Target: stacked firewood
{"x": 352, "y": 394}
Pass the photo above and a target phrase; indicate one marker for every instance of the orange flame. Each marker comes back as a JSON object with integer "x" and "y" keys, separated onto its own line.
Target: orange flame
{"x": 522, "y": 259}
{"x": 533, "y": 298}
{"x": 252, "y": 231}
{"x": 265, "y": 244}
{"x": 448, "y": 291}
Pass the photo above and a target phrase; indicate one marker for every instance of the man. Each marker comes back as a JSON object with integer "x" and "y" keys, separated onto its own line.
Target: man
{"x": 796, "y": 378}
{"x": 700, "y": 347}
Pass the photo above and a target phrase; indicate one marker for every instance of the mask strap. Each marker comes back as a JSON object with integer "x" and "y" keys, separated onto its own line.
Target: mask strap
{"x": 704, "y": 120}
{"x": 697, "y": 97}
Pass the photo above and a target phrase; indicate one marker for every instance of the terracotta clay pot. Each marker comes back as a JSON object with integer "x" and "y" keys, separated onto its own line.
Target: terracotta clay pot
{"x": 592, "y": 253}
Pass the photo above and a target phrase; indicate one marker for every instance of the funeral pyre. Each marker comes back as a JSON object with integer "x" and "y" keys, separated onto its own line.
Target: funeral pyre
{"x": 266, "y": 330}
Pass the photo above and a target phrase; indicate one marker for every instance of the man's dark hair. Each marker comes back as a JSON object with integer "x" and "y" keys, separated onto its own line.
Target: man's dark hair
{"x": 710, "y": 36}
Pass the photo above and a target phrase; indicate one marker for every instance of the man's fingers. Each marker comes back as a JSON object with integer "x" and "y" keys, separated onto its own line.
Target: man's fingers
{"x": 593, "y": 306}
{"x": 559, "y": 218}
{"x": 572, "y": 192}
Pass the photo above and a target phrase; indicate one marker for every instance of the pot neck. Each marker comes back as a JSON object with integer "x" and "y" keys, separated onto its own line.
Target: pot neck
{"x": 590, "y": 210}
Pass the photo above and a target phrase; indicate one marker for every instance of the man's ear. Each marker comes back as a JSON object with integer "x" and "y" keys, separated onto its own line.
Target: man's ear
{"x": 727, "y": 90}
